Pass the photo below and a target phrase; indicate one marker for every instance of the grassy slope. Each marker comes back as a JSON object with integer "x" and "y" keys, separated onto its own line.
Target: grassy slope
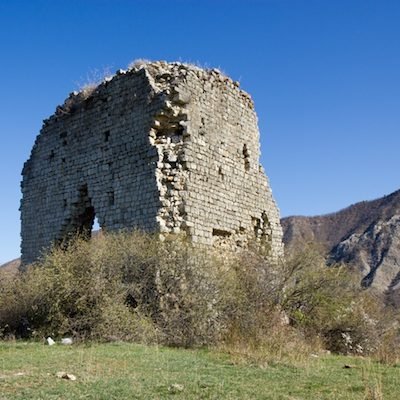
{"x": 126, "y": 371}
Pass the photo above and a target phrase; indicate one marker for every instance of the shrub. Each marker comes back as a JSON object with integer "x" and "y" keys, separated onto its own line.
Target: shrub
{"x": 329, "y": 303}
{"x": 132, "y": 286}
{"x": 67, "y": 293}
{"x": 127, "y": 286}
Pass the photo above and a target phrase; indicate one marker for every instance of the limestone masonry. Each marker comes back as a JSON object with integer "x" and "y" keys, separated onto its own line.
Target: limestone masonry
{"x": 163, "y": 147}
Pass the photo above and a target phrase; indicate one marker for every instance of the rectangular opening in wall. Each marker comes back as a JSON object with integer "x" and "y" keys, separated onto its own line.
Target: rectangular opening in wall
{"x": 63, "y": 136}
{"x": 246, "y": 155}
{"x": 106, "y": 136}
{"x": 221, "y": 172}
{"x": 221, "y": 232}
{"x": 111, "y": 198}
{"x": 256, "y": 222}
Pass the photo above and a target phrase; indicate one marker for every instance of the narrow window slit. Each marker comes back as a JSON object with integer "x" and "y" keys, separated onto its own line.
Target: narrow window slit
{"x": 111, "y": 198}
{"x": 63, "y": 136}
{"x": 246, "y": 155}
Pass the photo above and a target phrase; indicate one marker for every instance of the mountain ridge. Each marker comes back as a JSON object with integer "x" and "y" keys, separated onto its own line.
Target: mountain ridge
{"x": 340, "y": 224}
{"x": 365, "y": 236}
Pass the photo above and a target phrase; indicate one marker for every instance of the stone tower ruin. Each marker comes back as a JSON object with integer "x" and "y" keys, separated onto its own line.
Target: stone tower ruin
{"x": 165, "y": 147}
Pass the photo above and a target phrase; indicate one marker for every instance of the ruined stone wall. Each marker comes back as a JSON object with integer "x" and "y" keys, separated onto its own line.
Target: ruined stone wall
{"x": 165, "y": 147}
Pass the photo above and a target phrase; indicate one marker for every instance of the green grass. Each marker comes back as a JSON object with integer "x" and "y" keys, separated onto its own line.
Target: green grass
{"x": 128, "y": 371}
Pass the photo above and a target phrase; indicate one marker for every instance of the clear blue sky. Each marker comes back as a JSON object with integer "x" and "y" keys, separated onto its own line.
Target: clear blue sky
{"x": 325, "y": 77}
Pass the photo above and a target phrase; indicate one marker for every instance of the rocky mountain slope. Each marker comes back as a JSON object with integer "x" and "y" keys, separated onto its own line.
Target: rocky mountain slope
{"x": 365, "y": 235}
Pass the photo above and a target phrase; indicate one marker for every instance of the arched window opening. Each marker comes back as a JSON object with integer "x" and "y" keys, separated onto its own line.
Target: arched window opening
{"x": 83, "y": 215}
{"x": 96, "y": 225}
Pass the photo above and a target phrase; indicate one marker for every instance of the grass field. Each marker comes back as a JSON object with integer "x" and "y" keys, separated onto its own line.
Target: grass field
{"x": 128, "y": 371}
